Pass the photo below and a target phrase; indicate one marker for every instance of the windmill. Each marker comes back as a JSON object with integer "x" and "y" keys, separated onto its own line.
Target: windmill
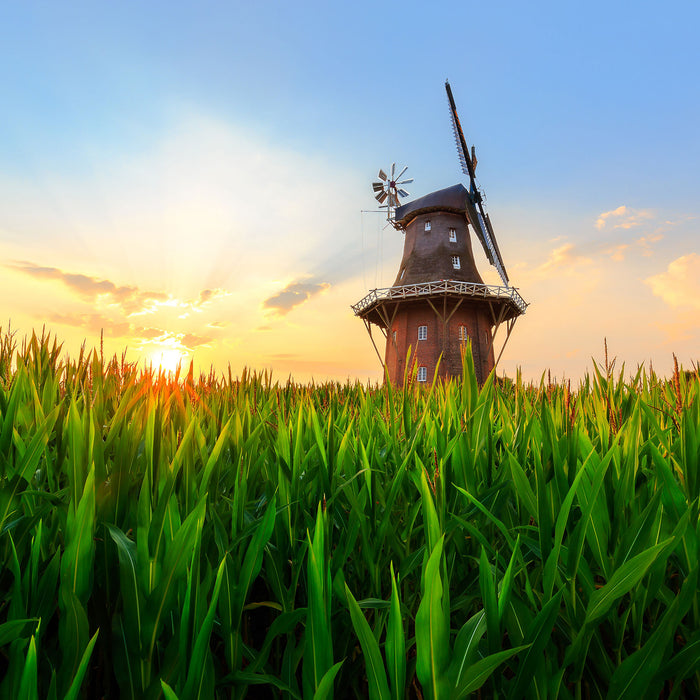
{"x": 438, "y": 300}
{"x": 389, "y": 189}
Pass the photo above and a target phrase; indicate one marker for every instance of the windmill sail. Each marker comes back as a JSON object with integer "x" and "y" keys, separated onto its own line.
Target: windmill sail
{"x": 478, "y": 218}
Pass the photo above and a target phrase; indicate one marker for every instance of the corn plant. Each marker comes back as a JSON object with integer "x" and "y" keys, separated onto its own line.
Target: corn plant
{"x": 219, "y": 536}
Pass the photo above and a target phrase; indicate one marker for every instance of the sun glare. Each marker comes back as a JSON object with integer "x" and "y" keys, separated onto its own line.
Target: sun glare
{"x": 167, "y": 360}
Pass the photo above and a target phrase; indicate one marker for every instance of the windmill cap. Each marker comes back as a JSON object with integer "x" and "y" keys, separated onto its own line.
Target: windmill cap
{"x": 452, "y": 199}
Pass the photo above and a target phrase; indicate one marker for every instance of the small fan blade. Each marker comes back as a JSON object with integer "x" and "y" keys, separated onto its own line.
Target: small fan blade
{"x": 401, "y": 173}
{"x": 405, "y": 182}
{"x": 381, "y": 197}
{"x": 403, "y": 193}
{"x": 382, "y": 175}
{"x": 377, "y": 186}
{"x": 393, "y": 167}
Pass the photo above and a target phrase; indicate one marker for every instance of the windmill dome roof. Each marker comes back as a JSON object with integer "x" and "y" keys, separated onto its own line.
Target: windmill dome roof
{"x": 450, "y": 199}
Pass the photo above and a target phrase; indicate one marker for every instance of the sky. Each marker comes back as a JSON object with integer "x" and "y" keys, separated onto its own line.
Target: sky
{"x": 194, "y": 180}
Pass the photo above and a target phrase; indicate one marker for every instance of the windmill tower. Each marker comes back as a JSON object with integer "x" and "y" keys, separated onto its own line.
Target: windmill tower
{"x": 438, "y": 300}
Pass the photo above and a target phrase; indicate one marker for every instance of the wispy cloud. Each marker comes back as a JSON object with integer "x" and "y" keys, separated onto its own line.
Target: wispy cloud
{"x": 564, "y": 257}
{"x": 679, "y": 285}
{"x": 183, "y": 342}
{"x": 294, "y": 294}
{"x": 643, "y": 245}
{"x": 93, "y": 322}
{"x": 131, "y": 300}
{"x": 623, "y": 217}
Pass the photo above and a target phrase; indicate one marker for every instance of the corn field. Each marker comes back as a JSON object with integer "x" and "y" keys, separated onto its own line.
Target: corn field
{"x": 214, "y": 537}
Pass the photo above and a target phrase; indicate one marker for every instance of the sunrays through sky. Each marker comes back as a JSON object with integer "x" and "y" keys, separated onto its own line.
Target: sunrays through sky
{"x": 190, "y": 179}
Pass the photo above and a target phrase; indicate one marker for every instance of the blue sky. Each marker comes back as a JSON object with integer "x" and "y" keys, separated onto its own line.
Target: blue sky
{"x": 126, "y": 124}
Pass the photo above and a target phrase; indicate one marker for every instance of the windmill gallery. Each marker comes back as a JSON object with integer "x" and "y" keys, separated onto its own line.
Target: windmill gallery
{"x": 438, "y": 301}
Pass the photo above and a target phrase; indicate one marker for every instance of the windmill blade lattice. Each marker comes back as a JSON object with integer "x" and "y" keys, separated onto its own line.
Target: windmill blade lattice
{"x": 477, "y": 215}
{"x": 388, "y": 189}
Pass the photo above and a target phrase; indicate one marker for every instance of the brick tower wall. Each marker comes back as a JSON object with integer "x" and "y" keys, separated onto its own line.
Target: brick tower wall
{"x": 441, "y": 338}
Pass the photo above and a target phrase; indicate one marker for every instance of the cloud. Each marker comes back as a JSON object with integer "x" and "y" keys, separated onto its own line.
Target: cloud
{"x": 617, "y": 253}
{"x": 645, "y": 243}
{"x": 92, "y": 322}
{"x": 679, "y": 286}
{"x": 642, "y": 245}
{"x": 565, "y": 256}
{"x": 294, "y": 294}
{"x": 183, "y": 342}
{"x": 623, "y": 217}
{"x": 192, "y": 340}
{"x": 129, "y": 298}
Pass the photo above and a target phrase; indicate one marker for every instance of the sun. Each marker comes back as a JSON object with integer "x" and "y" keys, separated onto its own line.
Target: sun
{"x": 168, "y": 359}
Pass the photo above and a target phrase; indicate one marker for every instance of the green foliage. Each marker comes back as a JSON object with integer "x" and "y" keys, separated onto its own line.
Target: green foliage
{"x": 217, "y": 537}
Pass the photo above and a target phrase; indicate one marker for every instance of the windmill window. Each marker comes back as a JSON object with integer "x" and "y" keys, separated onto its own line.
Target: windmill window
{"x": 453, "y": 236}
{"x": 455, "y": 262}
{"x": 394, "y": 336}
{"x": 427, "y": 226}
{"x": 422, "y": 332}
{"x": 422, "y": 374}
{"x": 463, "y": 333}
{"x": 403, "y": 272}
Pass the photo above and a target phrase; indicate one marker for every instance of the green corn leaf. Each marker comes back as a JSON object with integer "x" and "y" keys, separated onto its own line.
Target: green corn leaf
{"x": 490, "y": 516}
{"x": 214, "y": 456}
{"x": 325, "y": 687}
{"x": 552, "y": 562}
{"x": 253, "y": 559}
{"x": 376, "y": 675}
{"x": 9, "y": 413}
{"x": 27, "y": 465}
{"x": 478, "y": 673}
{"x": 73, "y": 635}
{"x": 17, "y": 629}
{"x": 623, "y": 580}
{"x": 433, "y": 630}
{"x": 283, "y": 624}
{"x": 487, "y": 586}
{"x": 432, "y": 524}
{"x": 174, "y": 567}
{"x": 507, "y": 582}
{"x": 318, "y": 658}
{"x": 76, "y": 563}
{"x": 538, "y": 635}
{"x": 395, "y": 647}
{"x": 681, "y": 666}
{"x": 466, "y": 647}
{"x": 28, "y": 687}
{"x": 522, "y": 487}
{"x": 168, "y": 692}
{"x": 129, "y": 586}
{"x": 74, "y": 689}
{"x": 245, "y": 678}
{"x": 632, "y": 678}
{"x": 579, "y": 537}
{"x": 196, "y": 673}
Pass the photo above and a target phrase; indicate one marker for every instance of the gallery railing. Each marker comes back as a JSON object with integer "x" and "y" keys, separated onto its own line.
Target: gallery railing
{"x": 408, "y": 291}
